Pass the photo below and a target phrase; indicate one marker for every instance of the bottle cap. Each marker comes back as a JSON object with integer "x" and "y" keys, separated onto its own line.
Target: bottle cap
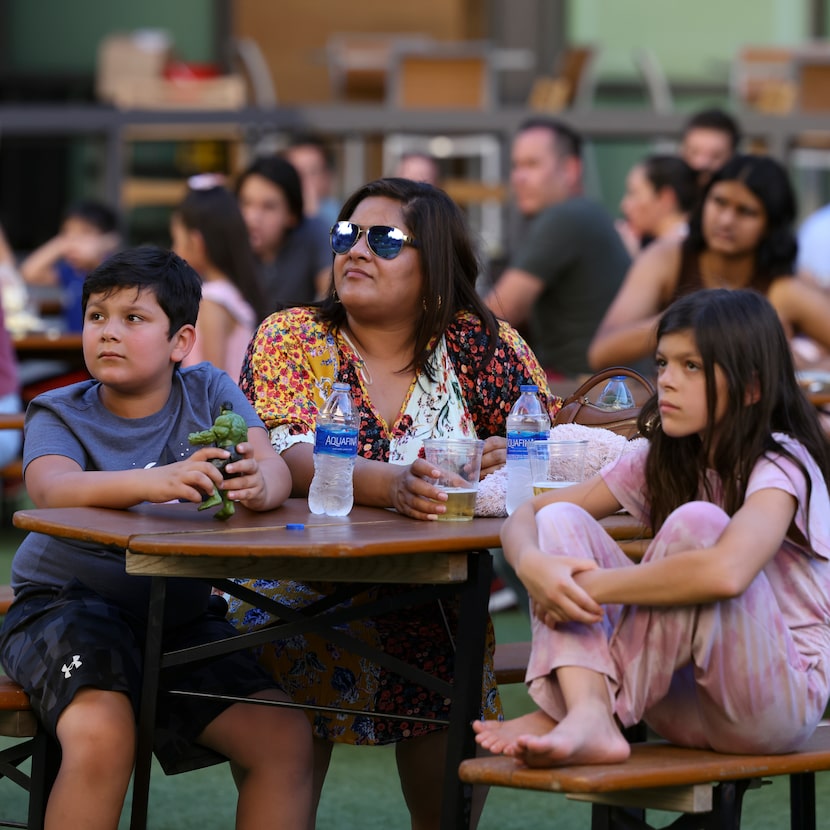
{"x": 529, "y": 387}
{"x": 295, "y": 526}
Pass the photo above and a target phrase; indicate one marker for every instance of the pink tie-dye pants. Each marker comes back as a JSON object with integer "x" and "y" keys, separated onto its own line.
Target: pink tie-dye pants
{"x": 724, "y": 676}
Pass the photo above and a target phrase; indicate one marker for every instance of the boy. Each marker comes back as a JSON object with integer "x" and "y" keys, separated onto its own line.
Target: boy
{"x": 88, "y": 235}
{"x": 74, "y": 634}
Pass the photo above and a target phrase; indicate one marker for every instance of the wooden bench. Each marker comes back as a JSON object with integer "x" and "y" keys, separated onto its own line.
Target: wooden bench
{"x": 19, "y": 722}
{"x": 510, "y": 660}
{"x": 11, "y": 475}
{"x": 700, "y": 783}
{"x": 6, "y": 597}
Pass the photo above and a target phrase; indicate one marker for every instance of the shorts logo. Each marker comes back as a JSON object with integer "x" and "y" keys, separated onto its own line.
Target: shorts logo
{"x": 75, "y": 664}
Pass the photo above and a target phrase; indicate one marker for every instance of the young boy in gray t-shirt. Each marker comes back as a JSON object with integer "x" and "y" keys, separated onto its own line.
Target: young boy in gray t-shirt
{"x": 74, "y": 635}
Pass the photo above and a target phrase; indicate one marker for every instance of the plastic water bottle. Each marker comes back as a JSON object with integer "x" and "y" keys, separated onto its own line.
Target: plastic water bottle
{"x": 528, "y": 421}
{"x": 616, "y": 394}
{"x": 335, "y": 449}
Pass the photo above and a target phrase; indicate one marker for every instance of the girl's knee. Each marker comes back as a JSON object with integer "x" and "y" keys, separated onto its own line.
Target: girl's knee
{"x": 562, "y": 520}
{"x": 563, "y": 511}
{"x": 696, "y": 524}
{"x": 569, "y": 530}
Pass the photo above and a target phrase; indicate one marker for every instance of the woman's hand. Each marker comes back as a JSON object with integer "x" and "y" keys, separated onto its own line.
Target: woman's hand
{"x": 494, "y": 455}
{"x": 555, "y": 595}
{"x": 413, "y": 493}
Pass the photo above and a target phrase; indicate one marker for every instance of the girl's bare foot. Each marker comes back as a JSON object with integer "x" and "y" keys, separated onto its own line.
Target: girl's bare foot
{"x": 499, "y": 736}
{"x": 586, "y": 735}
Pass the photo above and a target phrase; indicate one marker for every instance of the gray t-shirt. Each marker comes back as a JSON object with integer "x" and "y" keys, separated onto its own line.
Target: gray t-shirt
{"x": 289, "y": 280}
{"x": 71, "y": 421}
{"x": 574, "y": 248}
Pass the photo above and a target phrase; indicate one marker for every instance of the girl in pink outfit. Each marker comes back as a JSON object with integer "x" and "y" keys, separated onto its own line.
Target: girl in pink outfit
{"x": 719, "y": 638}
{"x": 209, "y": 232}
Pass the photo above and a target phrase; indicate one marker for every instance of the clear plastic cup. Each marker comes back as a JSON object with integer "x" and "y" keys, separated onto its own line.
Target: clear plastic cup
{"x": 459, "y": 460}
{"x": 556, "y": 464}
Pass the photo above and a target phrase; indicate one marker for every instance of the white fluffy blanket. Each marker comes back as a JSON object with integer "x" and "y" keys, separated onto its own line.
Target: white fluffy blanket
{"x": 604, "y": 447}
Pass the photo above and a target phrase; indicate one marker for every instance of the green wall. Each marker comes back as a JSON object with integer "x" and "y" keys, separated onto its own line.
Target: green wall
{"x": 69, "y": 42}
{"x": 692, "y": 40}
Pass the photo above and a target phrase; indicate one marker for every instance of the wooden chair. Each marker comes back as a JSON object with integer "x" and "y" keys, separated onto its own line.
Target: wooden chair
{"x": 458, "y": 76}
{"x": 570, "y": 85}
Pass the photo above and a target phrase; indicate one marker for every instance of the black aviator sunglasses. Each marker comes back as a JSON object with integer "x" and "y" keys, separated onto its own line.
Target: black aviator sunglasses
{"x": 383, "y": 240}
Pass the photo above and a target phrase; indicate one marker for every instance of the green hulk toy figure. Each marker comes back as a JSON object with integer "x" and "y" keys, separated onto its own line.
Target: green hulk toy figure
{"x": 228, "y": 430}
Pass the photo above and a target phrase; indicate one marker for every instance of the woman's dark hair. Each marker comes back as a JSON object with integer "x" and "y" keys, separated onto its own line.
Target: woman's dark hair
{"x": 449, "y": 264}
{"x": 666, "y": 171}
{"x": 282, "y": 174}
{"x": 768, "y": 181}
{"x": 176, "y": 285}
{"x": 739, "y": 331}
{"x": 215, "y": 214}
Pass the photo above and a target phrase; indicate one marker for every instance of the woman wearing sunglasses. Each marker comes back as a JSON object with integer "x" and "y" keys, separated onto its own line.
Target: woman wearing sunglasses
{"x": 403, "y": 326}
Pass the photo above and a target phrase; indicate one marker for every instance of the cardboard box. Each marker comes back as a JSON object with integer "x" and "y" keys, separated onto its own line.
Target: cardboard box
{"x": 225, "y": 92}
{"x": 128, "y": 57}
{"x": 130, "y": 74}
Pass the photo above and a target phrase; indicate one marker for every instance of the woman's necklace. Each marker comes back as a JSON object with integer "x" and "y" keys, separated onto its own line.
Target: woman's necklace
{"x": 362, "y": 368}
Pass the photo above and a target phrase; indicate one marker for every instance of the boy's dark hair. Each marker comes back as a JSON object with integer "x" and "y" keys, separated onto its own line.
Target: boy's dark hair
{"x": 740, "y": 332}
{"x": 715, "y": 119}
{"x": 176, "y": 285}
{"x": 97, "y": 214}
{"x": 283, "y": 175}
{"x": 566, "y": 140}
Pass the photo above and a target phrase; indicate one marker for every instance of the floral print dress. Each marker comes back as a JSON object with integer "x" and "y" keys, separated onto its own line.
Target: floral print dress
{"x": 292, "y": 362}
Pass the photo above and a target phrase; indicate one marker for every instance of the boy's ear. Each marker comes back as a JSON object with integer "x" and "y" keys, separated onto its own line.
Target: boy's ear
{"x": 182, "y": 342}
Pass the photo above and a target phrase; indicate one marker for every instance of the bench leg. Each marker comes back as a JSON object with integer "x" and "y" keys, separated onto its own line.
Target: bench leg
{"x": 803, "y": 801}
{"x": 44, "y": 754}
{"x": 46, "y": 759}
{"x": 724, "y": 815}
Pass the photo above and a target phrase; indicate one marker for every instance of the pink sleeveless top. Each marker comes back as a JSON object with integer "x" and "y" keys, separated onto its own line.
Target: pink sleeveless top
{"x": 227, "y": 295}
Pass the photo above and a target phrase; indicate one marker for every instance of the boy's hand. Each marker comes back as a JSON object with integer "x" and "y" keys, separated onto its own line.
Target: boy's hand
{"x": 246, "y": 483}
{"x": 88, "y": 250}
{"x": 188, "y": 480}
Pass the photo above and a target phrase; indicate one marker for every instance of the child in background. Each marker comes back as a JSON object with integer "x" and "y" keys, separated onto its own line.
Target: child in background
{"x": 208, "y": 231}
{"x": 88, "y": 235}
{"x": 718, "y": 639}
{"x": 115, "y": 441}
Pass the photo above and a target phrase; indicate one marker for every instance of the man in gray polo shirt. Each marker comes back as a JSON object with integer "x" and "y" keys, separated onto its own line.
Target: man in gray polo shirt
{"x": 571, "y": 261}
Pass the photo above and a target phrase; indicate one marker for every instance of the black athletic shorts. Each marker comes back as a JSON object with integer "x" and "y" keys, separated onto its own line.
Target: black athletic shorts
{"x": 54, "y": 643}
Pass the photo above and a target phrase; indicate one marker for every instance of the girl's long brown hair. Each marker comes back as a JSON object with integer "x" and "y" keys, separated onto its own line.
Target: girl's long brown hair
{"x": 741, "y": 333}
